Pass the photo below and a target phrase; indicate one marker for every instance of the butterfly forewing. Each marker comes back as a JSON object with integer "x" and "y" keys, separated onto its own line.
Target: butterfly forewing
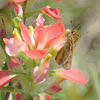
{"x": 65, "y": 54}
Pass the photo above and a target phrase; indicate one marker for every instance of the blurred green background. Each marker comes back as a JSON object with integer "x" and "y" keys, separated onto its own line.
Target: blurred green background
{"x": 87, "y": 53}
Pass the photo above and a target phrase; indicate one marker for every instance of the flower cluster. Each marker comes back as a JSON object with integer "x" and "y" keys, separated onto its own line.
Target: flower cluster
{"x": 30, "y": 50}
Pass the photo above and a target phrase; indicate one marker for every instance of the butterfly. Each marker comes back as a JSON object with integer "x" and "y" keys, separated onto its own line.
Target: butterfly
{"x": 65, "y": 54}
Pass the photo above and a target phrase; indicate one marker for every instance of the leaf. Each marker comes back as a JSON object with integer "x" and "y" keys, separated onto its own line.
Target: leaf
{"x": 16, "y": 23}
{"x": 7, "y": 57}
{"x": 29, "y": 14}
{"x": 28, "y": 6}
{"x": 7, "y": 89}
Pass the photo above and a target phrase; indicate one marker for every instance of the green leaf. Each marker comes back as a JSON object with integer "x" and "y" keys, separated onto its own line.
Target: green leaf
{"x": 29, "y": 4}
{"x": 7, "y": 57}
{"x": 17, "y": 23}
{"x": 54, "y": 73}
{"x": 2, "y": 95}
{"x": 6, "y": 67}
{"x": 7, "y": 89}
{"x": 28, "y": 14}
{"x": 22, "y": 74}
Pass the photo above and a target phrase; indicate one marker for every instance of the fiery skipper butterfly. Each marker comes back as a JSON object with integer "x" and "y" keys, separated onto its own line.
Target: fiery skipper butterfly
{"x": 65, "y": 54}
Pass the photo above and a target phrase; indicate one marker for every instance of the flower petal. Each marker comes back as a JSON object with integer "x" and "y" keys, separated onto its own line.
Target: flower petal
{"x": 40, "y": 34}
{"x": 37, "y": 54}
{"x": 52, "y": 42}
{"x": 13, "y": 64}
{"x": 40, "y": 20}
{"x": 55, "y": 30}
{"x": 5, "y": 77}
{"x": 72, "y": 74}
{"x": 47, "y": 97}
{"x": 13, "y": 50}
{"x": 37, "y": 75}
{"x": 55, "y": 13}
{"x": 25, "y": 34}
{"x": 18, "y": 1}
{"x": 18, "y": 9}
{"x": 55, "y": 88}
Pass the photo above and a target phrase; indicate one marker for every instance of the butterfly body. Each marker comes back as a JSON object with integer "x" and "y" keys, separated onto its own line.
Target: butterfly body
{"x": 65, "y": 54}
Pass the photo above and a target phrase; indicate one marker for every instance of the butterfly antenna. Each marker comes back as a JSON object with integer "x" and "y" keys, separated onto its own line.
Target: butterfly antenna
{"x": 77, "y": 27}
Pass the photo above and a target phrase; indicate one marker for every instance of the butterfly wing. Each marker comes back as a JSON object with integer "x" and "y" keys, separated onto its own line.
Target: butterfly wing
{"x": 64, "y": 54}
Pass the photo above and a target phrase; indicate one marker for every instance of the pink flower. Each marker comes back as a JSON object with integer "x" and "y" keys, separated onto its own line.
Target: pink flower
{"x": 72, "y": 74}
{"x": 18, "y": 96}
{"x": 40, "y": 38}
{"x": 40, "y": 20}
{"x": 55, "y": 13}
{"x": 41, "y": 73}
{"x": 5, "y": 77}
{"x": 18, "y": 1}
{"x": 13, "y": 64}
{"x": 18, "y": 9}
{"x": 12, "y": 48}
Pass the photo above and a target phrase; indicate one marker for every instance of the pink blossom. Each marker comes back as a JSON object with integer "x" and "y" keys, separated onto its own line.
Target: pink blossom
{"x": 55, "y": 13}
{"x": 42, "y": 36}
{"x": 72, "y": 74}
{"x": 18, "y": 9}
{"x": 5, "y": 77}
{"x": 40, "y": 20}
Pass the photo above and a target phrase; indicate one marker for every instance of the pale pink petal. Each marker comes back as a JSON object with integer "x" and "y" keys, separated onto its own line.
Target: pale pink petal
{"x": 5, "y": 77}
{"x": 72, "y": 74}
{"x": 46, "y": 71}
{"x": 25, "y": 34}
{"x": 37, "y": 54}
{"x": 10, "y": 41}
{"x": 40, "y": 34}
{"x": 13, "y": 50}
{"x": 37, "y": 75}
{"x": 40, "y": 20}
